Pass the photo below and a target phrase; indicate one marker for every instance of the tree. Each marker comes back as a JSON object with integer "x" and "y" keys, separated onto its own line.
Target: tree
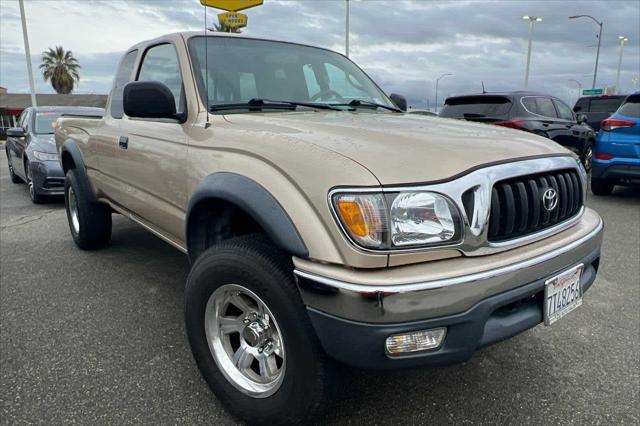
{"x": 61, "y": 68}
{"x": 224, "y": 28}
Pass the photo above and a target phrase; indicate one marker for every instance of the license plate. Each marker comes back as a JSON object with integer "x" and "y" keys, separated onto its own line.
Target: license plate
{"x": 562, "y": 294}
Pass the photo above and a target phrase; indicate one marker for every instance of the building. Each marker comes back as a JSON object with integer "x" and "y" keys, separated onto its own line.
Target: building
{"x": 12, "y": 104}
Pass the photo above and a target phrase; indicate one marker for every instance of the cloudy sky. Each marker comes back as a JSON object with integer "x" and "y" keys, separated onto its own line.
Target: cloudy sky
{"x": 403, "y": 44}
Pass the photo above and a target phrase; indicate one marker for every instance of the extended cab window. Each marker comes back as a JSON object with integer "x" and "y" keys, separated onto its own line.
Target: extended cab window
{"x": 123, "y": 76}
{"x": 161, "y": 64}
{"x": 563, "y": 111}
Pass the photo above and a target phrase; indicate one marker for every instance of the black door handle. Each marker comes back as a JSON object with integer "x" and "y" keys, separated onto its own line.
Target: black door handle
{"x": 123, "y": 142}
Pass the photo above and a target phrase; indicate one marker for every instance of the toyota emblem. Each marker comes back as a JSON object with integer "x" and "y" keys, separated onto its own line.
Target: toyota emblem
{"x": 550, "y": 199}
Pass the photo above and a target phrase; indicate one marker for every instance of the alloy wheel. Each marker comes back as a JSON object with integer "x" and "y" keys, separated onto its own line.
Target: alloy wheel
{"x": 245, "y": 340}
{"x": 73, "y": 210}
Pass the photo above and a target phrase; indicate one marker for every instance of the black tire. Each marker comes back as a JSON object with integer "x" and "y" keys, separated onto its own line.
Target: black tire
{"x": 586, "y": 157}
{"x": 255, "y": 264}
{"x": 14, "y": 177}
{"x": 93, "y": 230}
{"x": 601, "y": 186}
{"x": 33, "y": 192}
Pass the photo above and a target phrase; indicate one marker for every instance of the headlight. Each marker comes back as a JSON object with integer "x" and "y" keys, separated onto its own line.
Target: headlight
{"x": 45, "y": 156}
{"x": 398, "y": 220}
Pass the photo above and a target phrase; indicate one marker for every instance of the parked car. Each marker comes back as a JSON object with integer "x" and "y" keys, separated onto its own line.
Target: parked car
{"x": 422, "y": 112}
{"x": 323, "y": 223}
{"x": 536, "y": 113}
{"x": 597, "y": 108}
{"x": 31, "y": 151}
{"x": 617, "y": 150}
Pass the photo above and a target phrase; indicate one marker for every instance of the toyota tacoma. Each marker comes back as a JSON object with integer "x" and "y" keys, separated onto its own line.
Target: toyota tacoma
{"x": 323, "y": 223}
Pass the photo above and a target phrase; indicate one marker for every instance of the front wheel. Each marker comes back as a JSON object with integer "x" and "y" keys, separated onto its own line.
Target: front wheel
{"x": 601, "y": 186}
{"x": 586, "y": 158}
{"x": 14, "y": 177}
{"x": 33, "y": 191}
{"x": 251, "y": 336}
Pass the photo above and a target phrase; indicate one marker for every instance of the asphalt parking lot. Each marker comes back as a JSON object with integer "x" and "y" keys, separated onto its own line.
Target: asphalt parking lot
{"x": 98, "y": 338}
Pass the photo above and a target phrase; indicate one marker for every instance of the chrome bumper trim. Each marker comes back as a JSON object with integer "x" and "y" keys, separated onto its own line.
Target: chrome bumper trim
{"x": 410, "y": 287}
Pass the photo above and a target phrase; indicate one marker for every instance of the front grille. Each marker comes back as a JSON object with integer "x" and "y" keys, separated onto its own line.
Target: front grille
{"x": 518, "y": 209}
{"x": 53, "y": 183}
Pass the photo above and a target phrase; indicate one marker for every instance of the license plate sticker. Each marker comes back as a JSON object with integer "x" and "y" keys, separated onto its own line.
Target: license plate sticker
{"x": 562, "y": 294}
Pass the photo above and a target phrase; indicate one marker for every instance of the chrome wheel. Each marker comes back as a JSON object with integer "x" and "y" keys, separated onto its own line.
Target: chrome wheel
{"x": 588, "y": 158}
{"x": 245, "y": 340}
{"x": 27, "y": 167}
{"x": 73, "y": 210}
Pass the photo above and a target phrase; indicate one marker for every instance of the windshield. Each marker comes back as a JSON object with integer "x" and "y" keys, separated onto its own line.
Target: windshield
{"x": 240, "y": 70}
{"x": 45, "y": 122}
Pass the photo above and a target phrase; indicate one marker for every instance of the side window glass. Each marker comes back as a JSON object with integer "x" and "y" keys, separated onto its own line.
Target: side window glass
{"x": 310, "y": 79}
{"x": 344, "y": 84}
{"x": 563, "y": 111}
{"x": 545, "y": 107}
{"x": 160, "y": 63}
{"x": 530, "y": 104}
{"x": 123, "y": 76}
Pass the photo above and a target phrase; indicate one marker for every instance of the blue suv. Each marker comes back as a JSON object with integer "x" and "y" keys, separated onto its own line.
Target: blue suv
{"x": 616, "y": 159}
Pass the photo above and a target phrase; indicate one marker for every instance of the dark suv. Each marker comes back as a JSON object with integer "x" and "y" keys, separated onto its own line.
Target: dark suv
{"x": 597, "y": 108}
{"x": 541, "y": 114}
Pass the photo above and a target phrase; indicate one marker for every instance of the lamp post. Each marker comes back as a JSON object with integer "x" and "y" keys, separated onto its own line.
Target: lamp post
{"x": 27, "y": 51}
{"x": 346, "y": 31}
{"x": 437, "y": 82}
{"x": 531, "y": 20}
{"x": 595, "y": 71}
{"x": 622, "y": 40}
{"x": 579, "y": 86}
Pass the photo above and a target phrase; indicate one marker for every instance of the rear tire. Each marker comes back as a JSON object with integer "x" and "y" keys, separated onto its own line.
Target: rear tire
{"x": 257, "y": 271}
{"x": 601, "y": 186}
{"x": 89, "y": 221}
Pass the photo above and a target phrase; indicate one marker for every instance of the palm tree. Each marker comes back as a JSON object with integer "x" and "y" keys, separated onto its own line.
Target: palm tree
{"x": 61, "y": 68}
{"x": 224, "y": 28}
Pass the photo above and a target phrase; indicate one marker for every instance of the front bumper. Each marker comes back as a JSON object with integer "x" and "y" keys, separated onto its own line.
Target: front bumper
{"x": 48, "y": 177}
{"x": 498, "y": 300}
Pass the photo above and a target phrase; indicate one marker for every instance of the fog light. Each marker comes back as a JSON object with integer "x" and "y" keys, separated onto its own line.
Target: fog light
{"x": 416, "y": 341}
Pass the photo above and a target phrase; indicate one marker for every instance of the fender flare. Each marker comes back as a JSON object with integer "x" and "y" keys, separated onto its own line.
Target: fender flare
{"x": 254, "y": 200}
{"x": 70, "y": 147}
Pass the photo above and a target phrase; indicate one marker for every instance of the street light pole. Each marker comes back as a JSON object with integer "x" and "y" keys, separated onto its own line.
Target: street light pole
{"x": 622, "y": 40}
{"x": 346, "y": 31}
{"x": 595, "y": 71}
{"x": 27, "y": 51}
{"x": 437, "y": 82}
{"x": 531, "y": 20}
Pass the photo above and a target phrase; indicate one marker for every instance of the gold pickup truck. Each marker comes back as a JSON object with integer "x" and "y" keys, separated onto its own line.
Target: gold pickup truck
{"x": 324, "y": 223}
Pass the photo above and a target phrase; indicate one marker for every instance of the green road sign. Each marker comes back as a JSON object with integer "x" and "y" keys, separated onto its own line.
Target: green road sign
{"x": 587, "y": 92}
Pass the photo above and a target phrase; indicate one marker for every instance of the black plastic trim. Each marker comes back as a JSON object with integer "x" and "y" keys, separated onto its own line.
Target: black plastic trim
{"x": 254, "y": 200}
{"x": 70, "y": 147}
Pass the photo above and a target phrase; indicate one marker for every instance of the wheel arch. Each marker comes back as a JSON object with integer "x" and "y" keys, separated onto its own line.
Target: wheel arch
{"x": 235, "y": 194}
{"x": 71, "y": 158}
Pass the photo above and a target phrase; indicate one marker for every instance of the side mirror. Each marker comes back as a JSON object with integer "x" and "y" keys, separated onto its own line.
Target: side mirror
{"x": 15, "y": 132}
{"x": 399, "y": 100}
{"x": 581, "y": 118}
{"x": 148, "y": 99}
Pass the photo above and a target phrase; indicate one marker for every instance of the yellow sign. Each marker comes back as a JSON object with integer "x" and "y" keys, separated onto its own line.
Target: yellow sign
{"x": 231, "y": 5}
{"x": 233, "y": 19}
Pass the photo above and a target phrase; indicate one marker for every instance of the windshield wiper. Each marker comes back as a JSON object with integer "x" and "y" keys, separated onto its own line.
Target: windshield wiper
{"x": 257, "y": 104}
{"x": 358, "y": 102}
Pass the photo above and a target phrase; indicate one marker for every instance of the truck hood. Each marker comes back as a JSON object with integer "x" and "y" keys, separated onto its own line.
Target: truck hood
{"x": 402, "y": 148}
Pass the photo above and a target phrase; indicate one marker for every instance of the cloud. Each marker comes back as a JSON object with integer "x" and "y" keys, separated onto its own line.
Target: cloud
{"x": 404, "y": 45}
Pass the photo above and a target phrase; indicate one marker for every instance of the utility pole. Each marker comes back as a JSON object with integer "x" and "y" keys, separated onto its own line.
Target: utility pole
{"x": 532, "y": 20}
{"x": 622, "y": 40}
{"x": 346, "y": 31}
{"x": 32, "y": 85}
